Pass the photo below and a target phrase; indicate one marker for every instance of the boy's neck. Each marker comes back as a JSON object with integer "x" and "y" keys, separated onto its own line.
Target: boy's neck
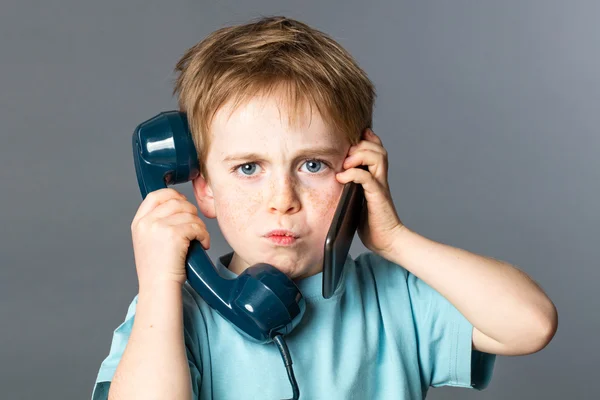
{"x": 237, "y": 266}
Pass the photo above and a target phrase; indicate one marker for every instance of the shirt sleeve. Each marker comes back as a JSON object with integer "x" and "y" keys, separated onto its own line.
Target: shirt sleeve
{"x": 121, "y": 337}
{"x": 445, "y": 338}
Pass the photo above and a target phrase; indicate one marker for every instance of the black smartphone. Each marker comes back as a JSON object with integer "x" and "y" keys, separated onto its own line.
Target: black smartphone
{"x": 339, "y": 237}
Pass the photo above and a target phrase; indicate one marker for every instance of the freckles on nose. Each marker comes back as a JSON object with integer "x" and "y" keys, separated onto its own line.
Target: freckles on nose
{"x": 286, "y": 188}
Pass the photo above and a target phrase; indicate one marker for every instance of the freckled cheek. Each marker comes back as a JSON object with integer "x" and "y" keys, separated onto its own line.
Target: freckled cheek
{"x": 235, "y": 210}
{"x": 324, "y": 204}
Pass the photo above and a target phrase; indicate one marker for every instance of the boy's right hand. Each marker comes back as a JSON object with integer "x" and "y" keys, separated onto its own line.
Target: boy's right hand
{"x": 162, "y": 229}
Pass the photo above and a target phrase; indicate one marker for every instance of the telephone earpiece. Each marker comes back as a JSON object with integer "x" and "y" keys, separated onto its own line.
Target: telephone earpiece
{"x": 262, "y": 301}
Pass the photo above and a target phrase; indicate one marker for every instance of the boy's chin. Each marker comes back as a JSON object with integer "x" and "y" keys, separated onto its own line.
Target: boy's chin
{"x": 293, "y": 269}
{"x": 297, "y": 274}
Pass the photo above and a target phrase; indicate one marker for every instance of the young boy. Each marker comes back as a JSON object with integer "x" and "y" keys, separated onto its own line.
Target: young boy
{"x": 281, "y": 117}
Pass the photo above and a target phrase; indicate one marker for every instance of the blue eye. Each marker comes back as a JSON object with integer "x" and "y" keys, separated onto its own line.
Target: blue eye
{"x": 314, "y": 166}
{"x": 247, "y": 169}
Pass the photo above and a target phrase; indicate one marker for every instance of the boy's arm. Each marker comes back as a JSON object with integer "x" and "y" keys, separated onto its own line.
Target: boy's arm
{"x": 154, "y": 364}
{"x": 510, "y": 313}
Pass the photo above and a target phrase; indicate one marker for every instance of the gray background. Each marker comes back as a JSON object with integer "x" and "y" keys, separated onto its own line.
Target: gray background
{"x": 489, "y": 111}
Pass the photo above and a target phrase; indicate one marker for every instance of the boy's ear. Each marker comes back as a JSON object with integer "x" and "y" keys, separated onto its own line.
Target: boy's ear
{"x": 204, "y": 196}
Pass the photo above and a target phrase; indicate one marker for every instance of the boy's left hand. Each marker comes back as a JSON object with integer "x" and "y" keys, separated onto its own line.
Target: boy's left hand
{"x": 378, "y": 227}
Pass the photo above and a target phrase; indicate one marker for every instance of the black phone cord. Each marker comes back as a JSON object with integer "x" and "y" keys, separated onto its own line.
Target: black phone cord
{"x": 287, "y": 360}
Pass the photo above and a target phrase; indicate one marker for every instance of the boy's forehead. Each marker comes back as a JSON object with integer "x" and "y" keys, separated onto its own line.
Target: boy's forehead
{"x": 271, "y": 111}
{"x": 284, "y": 148}
{"x": 265, "y": 122}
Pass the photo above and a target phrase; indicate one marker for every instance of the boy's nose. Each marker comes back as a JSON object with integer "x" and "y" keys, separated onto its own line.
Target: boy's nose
{"x": 284, "y": 198}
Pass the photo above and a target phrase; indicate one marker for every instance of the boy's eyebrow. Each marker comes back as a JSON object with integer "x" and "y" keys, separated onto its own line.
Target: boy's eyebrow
{"x": 302, "y": 154}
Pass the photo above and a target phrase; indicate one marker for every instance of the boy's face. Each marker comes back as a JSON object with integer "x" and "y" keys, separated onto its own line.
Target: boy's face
{"x": 266, "y": 175}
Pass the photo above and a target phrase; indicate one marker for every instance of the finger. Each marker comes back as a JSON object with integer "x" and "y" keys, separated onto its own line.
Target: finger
{"x": 188, "y": 226}
{"x": 366, "y": 145}
{"x": 375, "y": 161}
{"x": 181, "y": 218}
{"x": 359, "y": 176}
{"x": 372, "y": 137}
{"x": 197, "y": 231}
{"x": 173, "y": 206}
{"x": 153, "y": 199}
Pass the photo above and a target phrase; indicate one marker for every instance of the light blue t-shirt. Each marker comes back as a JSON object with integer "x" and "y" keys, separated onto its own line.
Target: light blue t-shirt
{"x": 384, "y": 334}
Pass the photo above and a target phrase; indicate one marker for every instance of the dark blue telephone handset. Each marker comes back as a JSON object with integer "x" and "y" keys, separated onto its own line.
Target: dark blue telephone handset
{"x": 262, "y": 302}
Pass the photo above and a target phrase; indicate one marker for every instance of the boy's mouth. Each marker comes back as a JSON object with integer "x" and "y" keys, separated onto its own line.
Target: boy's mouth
{"x": 282, "y": 237}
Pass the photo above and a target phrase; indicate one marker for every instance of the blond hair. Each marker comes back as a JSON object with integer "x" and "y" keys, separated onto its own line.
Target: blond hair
{"x": 238, "y": 62}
